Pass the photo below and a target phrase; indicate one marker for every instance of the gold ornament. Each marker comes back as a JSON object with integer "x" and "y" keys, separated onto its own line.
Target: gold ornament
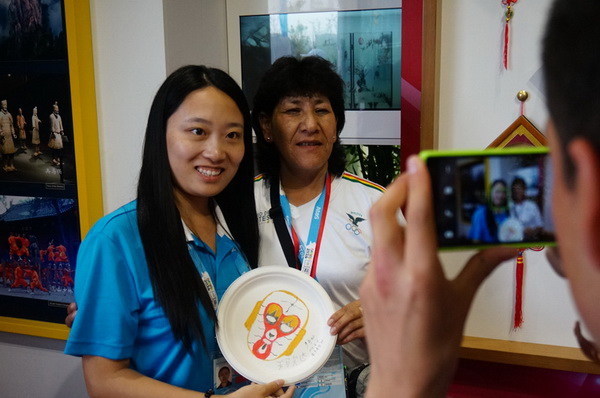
{"x": 522, "y": 95}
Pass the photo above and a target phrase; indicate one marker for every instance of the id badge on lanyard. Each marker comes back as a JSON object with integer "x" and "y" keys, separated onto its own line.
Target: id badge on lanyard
{"x": 206, "y": 279}
{"x": 308, "y": 253}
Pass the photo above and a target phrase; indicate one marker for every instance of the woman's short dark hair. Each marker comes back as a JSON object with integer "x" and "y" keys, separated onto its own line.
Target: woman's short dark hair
{"x": 177, "y": 285}
{"x": 518, "y": 181}
{"x": 291, "y": 77}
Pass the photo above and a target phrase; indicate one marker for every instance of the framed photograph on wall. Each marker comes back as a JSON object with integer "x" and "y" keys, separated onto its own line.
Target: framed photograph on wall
{"x": 50, "y": 190}
{"x": 362, "y": 39}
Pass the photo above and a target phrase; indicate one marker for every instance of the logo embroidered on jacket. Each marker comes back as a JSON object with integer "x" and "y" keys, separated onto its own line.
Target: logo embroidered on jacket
{"x": 353, "y": 224}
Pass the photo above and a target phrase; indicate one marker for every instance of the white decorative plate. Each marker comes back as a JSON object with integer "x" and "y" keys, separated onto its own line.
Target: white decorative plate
{"x": 511, "y": 231}
{"x": 273, "y": 325}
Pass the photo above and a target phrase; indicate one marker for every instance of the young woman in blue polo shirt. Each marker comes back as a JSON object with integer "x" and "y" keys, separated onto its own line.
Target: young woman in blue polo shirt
{"x": 150, "y": 274}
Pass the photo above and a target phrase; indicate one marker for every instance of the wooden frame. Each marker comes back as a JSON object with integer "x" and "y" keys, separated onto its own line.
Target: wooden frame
{"x": 85, "y": 137}
{"x": 431, "y": 71}
{"x": 527, "y": 354}
{"x": 420, "y": 85}
{"x": 382, "y": 125}
{"x": 520, "y": 132}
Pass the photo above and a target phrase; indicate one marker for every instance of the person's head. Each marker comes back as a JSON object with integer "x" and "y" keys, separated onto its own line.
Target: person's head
{"x": 498, "y": 193}
{"x": 197, "y": 145}
{"x": 4, "y": 104}
{"x": 224, "y": 374}
{"x": 205, "y": 144}
{"x": 55, "y": 108}
{"x": 193, "y": 107}
{"x": 35, "y": 110}
{"x": 298, "y": 116}
{"x": 20, "y": 111}
{"x": 571, "y": 63}
{"x": 517, "y": 189}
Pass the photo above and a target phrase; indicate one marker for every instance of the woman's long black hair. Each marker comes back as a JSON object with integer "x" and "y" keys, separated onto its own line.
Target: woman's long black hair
{"x": 178, "y": 287}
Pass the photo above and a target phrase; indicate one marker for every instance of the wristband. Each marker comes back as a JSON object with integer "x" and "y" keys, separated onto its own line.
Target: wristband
{"x": 209, "y": 393}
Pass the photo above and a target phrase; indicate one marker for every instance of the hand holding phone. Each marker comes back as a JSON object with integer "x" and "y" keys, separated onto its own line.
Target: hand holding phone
{"x": 491, "y": 197}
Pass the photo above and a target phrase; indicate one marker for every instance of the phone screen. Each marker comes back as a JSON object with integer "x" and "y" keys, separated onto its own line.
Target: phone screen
{"x": 492, "y": 197}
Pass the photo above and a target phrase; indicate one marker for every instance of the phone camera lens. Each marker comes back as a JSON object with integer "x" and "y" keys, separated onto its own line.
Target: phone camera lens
{"x": 449, "y": 234}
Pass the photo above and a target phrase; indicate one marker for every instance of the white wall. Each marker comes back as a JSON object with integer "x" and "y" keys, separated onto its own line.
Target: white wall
{"x": 196, "y": 33}
{"x": 478, "y": 97}
{"x": 129, "y": 64}
{"x": 477, "y": 102}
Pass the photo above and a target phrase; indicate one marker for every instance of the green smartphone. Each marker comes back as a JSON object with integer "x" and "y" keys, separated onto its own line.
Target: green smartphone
{"x": 492, "y": 197}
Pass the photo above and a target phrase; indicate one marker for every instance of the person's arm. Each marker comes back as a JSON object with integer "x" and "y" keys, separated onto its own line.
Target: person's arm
{"x": 347, "y": 323}
{"x": 414, "y": 316}
{"x": 71, "y": 313}
{"x": 108, "y": 378}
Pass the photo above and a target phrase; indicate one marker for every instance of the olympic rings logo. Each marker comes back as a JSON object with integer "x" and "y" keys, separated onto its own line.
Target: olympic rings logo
{"x": 355, "y": 229}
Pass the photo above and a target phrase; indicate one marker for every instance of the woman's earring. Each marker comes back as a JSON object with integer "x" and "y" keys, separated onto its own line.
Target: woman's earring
{"x": 268, "y": 139}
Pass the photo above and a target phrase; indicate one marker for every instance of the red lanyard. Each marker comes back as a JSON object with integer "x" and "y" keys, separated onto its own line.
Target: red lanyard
{"x": 309, "y": 262}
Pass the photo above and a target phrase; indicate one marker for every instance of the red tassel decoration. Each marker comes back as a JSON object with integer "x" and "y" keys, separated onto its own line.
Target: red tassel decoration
{"x": 518, "y": 315}
{"x": 509, "y": 14}
{"x": 506, "y": 31}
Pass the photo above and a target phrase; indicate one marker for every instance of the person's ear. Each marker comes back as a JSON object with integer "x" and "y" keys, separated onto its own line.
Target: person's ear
{"x": 265, "y": 125}
{"x": 587, "y": 195}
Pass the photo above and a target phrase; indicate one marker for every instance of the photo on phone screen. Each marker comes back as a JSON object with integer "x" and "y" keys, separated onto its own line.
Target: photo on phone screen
{"x": 492, "y": 197}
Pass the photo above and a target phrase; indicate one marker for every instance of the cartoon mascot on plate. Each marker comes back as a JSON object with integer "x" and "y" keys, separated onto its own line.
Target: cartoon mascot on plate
{"x": 276, "y": 325}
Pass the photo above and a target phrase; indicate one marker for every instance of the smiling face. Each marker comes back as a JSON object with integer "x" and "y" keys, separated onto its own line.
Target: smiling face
{"x": 518, "y": 191}
{"x": 498, "y": 193}
{"x": 224, "y": 374}
{"x": 304, "y": 130}
{"x": 205, "y": 143}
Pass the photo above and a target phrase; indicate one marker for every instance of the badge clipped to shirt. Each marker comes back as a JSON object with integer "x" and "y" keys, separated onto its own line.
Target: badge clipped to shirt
{"x": 225, "y": 378}
{"x": 206, "y": 279}
{"x": 210, "y": 288}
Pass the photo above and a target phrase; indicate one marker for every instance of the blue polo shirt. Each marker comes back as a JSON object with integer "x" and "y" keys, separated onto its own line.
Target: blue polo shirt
{"x": 117, "y": 315}
{"x": 480, "y": 230}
